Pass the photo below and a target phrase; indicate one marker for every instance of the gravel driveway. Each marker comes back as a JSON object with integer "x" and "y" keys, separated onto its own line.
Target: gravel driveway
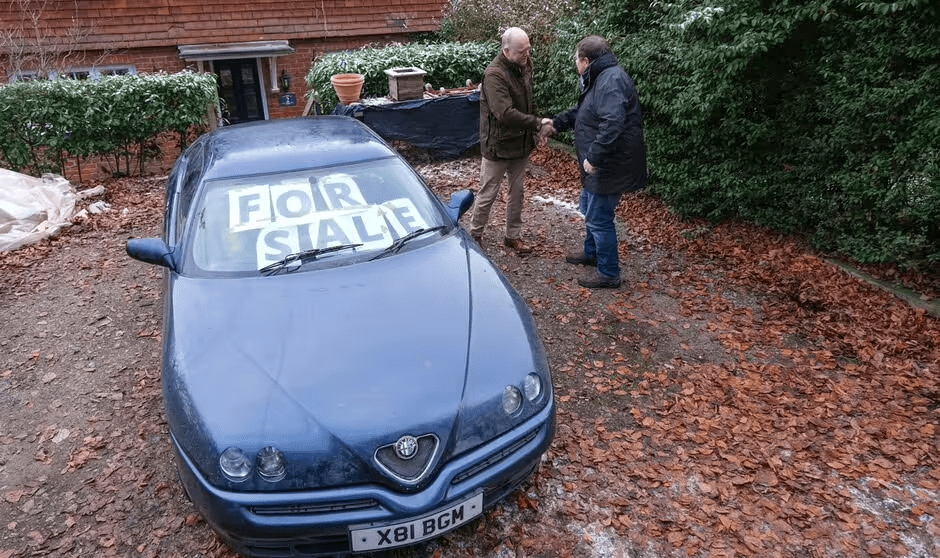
{"x": 699, "y": 413}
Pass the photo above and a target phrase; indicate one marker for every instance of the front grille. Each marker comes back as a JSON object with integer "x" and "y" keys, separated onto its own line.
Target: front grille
{"x": 314, "y": 509}
{"x": 494, "y": 458}
{"x": 309, "y": 546}
{"x": 408, "y": 470}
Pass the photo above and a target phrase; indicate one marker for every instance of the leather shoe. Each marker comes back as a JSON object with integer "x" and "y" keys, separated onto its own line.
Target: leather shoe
{"x": 598, "y": 280}
{"x": 578, "y": 258}
{"x": 517, "y": 245}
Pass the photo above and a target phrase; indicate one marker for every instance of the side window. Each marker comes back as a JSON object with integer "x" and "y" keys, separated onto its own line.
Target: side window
{"x": 188, "y": 185}
{"x": 171, "y": 236}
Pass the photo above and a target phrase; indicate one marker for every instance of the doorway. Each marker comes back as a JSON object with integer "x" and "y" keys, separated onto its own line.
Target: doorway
{"x": 239, "y": 90}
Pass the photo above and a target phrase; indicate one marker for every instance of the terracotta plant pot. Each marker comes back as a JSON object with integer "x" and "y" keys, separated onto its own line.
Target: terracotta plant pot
{"x": 348, "y": 87}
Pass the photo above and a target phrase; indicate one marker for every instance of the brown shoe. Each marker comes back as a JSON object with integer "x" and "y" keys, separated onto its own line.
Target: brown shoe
{"x": 578, "y": 258}
{"x": 597, "y": 280}
{"x": 517, "y": 245}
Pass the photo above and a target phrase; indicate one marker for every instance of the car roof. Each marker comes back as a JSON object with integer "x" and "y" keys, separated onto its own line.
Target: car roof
{"x": 290, "y": 144}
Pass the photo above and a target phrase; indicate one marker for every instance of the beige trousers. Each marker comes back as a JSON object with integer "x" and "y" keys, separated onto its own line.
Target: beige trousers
{"x": 491, "y": 177}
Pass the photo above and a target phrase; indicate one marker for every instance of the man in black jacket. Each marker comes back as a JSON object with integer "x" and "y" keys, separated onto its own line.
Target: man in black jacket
{"x": 608, "y": 136}
{"x": 508, "y": 132}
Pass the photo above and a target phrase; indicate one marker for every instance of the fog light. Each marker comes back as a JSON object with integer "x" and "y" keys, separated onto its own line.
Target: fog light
{"x": 512, "y": 400}
{"x": 532, "y": 387}
{"x": 235, "y": 464}
{"x": 271, "y": 464}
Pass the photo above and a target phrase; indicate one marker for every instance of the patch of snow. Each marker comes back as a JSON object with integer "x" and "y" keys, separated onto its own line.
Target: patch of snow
{"x": 895, "y": 511}
{"x": 568, "y": 207}
{"x": 605, "y": 542}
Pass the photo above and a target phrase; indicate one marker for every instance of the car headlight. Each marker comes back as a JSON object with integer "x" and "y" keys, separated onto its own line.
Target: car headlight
{"x": 512, "y": 400}
{"x": 271, "y": 464}
{"x": 235, "y": 464}
{"x": 532, "y": 387}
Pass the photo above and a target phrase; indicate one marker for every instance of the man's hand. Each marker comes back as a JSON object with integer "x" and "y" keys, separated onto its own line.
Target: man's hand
{"x": 546, "y": 128}
{"x": 588, "y": 167}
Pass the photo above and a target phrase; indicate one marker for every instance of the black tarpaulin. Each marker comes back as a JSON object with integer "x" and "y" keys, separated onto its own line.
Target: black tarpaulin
{"x": 446, "y": 126}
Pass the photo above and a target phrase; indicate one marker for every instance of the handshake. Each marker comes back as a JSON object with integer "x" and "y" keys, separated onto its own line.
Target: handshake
{"x": 546, "y": 128}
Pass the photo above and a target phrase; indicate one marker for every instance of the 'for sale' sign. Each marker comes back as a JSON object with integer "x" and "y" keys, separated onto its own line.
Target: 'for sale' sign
{"x": 292, "y": 217}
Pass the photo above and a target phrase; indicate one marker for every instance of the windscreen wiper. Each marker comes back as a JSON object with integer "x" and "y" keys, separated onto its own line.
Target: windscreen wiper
{"x": 396, "y": 246}
{"x": 303, "y": 257}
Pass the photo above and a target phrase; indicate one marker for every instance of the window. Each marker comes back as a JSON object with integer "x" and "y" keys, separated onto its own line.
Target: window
{"x": 242, "y": 224}
{"x": 93, "y": 73}
{"x": 24, "y": 76}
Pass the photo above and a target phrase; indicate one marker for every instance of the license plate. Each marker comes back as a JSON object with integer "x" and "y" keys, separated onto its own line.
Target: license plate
{"x": 416, "y": 530}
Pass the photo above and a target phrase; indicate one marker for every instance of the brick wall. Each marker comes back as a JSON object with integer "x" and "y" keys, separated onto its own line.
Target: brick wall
{"x": 147, "y": 36}
{"x": 150, "y": 60}
{"x": 120, "y": 24}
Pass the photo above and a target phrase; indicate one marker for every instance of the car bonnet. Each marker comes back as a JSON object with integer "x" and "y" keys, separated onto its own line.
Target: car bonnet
{"x": 339, "y": 355}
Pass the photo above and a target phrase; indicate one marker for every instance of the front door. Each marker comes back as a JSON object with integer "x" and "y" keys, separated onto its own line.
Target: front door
{"x": 239, "y": 90}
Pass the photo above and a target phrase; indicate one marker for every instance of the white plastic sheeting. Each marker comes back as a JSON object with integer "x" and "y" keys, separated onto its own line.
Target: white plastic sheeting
{"x": 33, "y": 208}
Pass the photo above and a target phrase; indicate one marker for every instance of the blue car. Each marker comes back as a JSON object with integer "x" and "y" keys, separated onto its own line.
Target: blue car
{"x": 344, "y": 370}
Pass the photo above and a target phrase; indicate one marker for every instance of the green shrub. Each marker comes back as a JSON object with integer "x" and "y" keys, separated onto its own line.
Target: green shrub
{"x": 44, "y": 122}
{"x": 817, "y": 117}
{"x": 812, "y": 118}
{"x": 485, "y": 20}
{"x": 556, "y": 79}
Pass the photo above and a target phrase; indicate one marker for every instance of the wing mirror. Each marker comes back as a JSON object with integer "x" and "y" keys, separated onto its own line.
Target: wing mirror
{"x": 460, "y": 202}
{"x": 151, "y": 250}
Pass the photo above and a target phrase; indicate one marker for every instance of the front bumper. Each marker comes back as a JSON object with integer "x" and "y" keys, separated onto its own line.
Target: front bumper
{"x": 316, "y": 522}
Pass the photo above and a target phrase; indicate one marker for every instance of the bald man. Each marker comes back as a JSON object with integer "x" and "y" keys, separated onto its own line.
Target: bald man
{"x": 508, "y": 134}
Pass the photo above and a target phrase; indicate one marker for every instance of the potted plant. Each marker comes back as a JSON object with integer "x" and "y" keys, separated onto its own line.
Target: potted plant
{"x": 348, "y": 87}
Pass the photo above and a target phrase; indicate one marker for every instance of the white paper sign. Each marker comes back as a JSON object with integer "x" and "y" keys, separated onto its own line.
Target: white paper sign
{"x": 296, "y": 216}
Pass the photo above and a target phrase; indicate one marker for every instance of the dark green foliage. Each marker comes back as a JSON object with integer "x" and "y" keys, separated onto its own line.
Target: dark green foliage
{"x": 812, "y": 117}
{"x": 44, "y": 122}
{"x": 485, "y": 20}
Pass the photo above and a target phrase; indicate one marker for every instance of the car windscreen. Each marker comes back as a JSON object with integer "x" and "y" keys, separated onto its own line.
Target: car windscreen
{"x": 246, "y": 223}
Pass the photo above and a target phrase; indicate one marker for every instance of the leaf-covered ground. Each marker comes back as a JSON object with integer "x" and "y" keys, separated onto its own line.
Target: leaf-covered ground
{"x": 740, "y": 396}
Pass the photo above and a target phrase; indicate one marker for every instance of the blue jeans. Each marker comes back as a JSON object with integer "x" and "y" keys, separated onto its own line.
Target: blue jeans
{"x": 600, "y": 240}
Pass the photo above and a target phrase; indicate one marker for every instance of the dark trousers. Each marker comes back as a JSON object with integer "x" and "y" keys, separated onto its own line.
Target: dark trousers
{"x": 600, "y": 240}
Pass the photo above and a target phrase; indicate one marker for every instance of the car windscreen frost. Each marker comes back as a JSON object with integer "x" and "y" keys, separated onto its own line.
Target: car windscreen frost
{"x": 248, "y": 223}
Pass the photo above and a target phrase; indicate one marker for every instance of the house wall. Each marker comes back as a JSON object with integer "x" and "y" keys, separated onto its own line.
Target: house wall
{"x": 147, "y": 35}
{"x": 118, "y": 24}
